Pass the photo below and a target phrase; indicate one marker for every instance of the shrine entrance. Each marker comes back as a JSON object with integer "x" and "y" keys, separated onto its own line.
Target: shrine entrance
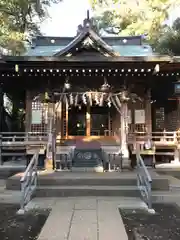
{"x": 88, "y": 120}
{"x": 99, "y": 120}
{"x": 77, "y": 121}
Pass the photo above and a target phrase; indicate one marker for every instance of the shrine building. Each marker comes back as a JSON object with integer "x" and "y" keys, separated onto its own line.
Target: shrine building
{"x": 113, "y": 89}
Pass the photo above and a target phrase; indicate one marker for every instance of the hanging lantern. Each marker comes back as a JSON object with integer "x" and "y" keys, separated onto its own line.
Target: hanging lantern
{"x": 67, "y": 85}
{"x": 46, "y": 96}
{"x": 16, "y": 68}
{"x": 105, "y": 87}
{"x": 157, "y": 68}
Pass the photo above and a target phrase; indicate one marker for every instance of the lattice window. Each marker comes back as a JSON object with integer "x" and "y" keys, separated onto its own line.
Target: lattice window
{"x": 160, "y": 118}
{"x": 39, "y": 119}
{"x": 140, "y": 127}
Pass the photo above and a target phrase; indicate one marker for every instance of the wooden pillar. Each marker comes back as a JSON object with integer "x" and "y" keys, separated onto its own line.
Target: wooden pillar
{"x": 124, "y": 130}
{"x": 58, "y": 122}
{"x": 178, "y": 115}
{"x": 88, "y": 121}
{"x": 67, "y": 118}
{"x": 177, "y": 149}
{"x": 28, "y": 116}
{"x": 148, "y": 114}
{"x": 1, "y": 121}
{"x": 49, "y": 157}
{"x": 109, "y": 123}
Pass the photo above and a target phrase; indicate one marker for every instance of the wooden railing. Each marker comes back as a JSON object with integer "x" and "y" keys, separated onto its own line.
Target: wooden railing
{"x": 20, "y": 137}
{"x": 164, "y": 138}
{"x": 13, "y": 138}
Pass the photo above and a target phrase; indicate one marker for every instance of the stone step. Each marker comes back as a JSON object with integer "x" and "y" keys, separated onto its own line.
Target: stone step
{"x": 77, "y": 191}
{"x": 84, "y": 165}
{"x": 86, "y": 169}
{"x": 93, "y": 179}
{"x": 9, "y": 170}
{"x": 14, "y": 183}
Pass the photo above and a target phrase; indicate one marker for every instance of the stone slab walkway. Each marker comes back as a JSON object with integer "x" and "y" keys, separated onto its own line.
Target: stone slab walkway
{"x": 84, "y": 219}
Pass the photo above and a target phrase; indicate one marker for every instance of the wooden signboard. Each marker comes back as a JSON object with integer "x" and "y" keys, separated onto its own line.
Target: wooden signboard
{"x": 140, "y": 116}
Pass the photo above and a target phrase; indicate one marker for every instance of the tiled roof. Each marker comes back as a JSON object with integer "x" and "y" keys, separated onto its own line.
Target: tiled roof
{"x": 129, "y": 50}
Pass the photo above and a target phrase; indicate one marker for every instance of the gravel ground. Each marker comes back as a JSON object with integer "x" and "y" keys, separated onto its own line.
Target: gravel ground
{"x": 164, "y": 225}
{"x": 20, "y": 227}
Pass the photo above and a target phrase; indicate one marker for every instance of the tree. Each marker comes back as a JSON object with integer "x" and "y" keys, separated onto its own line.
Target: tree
{"x": 135, "y": 17}
{"x": 19, "y": 21}
{"x": 169, "y": 42}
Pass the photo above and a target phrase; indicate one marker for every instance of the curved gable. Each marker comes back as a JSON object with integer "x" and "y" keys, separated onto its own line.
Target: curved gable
{"x": 87, "y": 39}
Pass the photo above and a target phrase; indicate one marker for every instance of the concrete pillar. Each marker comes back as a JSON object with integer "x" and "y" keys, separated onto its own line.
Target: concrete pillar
{"x": 124, "y": 130}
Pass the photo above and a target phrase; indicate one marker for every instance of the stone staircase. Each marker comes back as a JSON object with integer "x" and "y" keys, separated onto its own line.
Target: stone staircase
{"x": 74, "y": 184}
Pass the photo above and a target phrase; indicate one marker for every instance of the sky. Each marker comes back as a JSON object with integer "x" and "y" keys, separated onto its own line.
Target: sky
{"x": 67, "y": 15}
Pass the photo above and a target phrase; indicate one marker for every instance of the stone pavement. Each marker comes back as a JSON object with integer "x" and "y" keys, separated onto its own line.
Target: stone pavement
{"x": 83, "y": 219}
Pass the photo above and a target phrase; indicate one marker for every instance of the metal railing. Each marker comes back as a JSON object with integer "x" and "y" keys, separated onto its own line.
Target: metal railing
{"x": 144, "y": 181}
{"x": 29, "y": 182}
